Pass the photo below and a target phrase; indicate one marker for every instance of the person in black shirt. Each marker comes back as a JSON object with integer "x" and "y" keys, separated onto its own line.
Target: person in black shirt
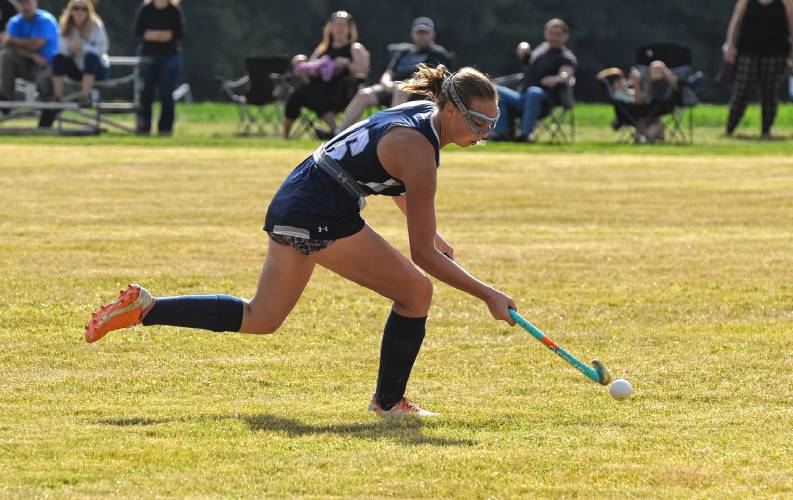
{"x": 549, "y": 66}
{"x": 403, "y": 64}
{"x": 349, "y": 61}
{"x": 759, "y": 39}
{"x": 160, "y": 26}
{"x": 8, "y": 9}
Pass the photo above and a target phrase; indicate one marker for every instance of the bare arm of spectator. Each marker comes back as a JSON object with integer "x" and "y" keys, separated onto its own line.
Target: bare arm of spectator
{"x": 566, "y": 73}
{"x": 730, "y": 47}
{"x": 359, "y": 66}
{"x": 387, "y": 79}
{"x": 28, "y": 44}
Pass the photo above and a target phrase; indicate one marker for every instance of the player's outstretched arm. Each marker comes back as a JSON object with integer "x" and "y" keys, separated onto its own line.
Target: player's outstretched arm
{"x": 408, "y": 156}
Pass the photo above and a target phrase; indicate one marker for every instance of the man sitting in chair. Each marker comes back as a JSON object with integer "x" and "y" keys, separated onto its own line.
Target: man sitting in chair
{"x": 30, "y": 42}
{"x": 550, "y": 67}
{"x": 403, "y": 64}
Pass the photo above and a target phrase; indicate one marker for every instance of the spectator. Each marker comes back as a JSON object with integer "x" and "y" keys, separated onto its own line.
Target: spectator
{"x": 548, "y": 67}
{"x": 402, "y": 66}
{"x": 337, "y": 65}
{"x": 30, "y": 41}
{"x": 758, "y": 38}
{"x": 82, "y": 55}
{"x": 650, "y": 87}
{"x": 8, "y": 9}
{"x": 160, "y": 25}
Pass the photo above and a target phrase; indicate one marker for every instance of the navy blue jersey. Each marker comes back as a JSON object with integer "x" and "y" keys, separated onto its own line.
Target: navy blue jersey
{"x": 356, "y": 148}
{"x": 311, "y": 204}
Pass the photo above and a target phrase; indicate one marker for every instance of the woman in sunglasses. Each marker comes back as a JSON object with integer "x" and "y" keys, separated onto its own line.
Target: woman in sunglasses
{"x": 315, "y": 218}
{"x": 82, "y": 49}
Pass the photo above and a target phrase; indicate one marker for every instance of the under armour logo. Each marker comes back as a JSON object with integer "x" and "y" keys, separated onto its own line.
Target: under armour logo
{"x": 321, "y": 229}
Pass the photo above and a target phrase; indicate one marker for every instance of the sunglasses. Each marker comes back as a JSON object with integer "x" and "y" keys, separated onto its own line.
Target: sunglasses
{"x": 470, "y": 115}
{"x": 80, "y": 7}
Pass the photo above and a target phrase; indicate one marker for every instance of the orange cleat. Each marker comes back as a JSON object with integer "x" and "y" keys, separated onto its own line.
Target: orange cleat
{"x": 127, "y": 310}
{"x": 403, "y": 407}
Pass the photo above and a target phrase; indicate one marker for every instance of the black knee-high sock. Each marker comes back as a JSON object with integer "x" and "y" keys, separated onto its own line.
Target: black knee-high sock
{"x": 219, "y": 313}
{"x": 402, "y": 339}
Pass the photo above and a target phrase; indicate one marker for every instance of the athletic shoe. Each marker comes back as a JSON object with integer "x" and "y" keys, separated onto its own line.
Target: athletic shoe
{"x": 403, "y": 407}
{"x": 127, "y": 310}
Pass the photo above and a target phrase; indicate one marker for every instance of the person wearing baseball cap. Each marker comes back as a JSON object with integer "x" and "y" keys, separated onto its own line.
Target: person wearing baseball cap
{"x": 422, "y": 24}
{"x": 406, "y": 58}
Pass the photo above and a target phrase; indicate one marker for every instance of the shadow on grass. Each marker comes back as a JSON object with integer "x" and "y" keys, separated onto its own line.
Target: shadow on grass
{"x": 760, "y": 139}
{"x": 408, "y": 430}
{"x": 130, "y": 422}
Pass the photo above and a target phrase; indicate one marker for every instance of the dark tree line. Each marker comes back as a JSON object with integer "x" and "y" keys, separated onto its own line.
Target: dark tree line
{"x": 482, "y": 33}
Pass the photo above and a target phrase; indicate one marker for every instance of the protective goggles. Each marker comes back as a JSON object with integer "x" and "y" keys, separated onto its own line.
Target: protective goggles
{"x": 469, "y": 115}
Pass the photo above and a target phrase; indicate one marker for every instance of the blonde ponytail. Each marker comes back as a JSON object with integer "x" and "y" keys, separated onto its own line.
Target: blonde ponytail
{"x": 428, "y": 81}
{"x": 469, "y": 84}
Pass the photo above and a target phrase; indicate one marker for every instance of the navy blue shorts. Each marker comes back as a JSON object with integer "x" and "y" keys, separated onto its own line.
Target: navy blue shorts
{"x": 312, "y": 206}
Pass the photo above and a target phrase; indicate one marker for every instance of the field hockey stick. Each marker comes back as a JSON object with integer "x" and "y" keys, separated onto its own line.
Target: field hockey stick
{"x": 597, "y": 372}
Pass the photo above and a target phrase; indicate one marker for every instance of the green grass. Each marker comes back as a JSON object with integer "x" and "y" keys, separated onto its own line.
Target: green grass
{"x": 214, "y": 125}
{"x": 675, "y": 272}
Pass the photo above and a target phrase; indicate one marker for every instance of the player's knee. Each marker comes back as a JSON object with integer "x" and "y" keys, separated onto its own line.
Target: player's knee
{"x": 259, "y": 322}
{"x": 265, "y": 327}
{"x": 421, "y": 295}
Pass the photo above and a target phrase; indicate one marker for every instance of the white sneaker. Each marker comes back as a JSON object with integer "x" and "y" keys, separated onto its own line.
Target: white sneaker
{"x": 403, "y": 407}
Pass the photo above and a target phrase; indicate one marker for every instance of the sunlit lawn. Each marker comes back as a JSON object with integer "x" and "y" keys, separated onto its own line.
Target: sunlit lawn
{"x": 676, "y": 271}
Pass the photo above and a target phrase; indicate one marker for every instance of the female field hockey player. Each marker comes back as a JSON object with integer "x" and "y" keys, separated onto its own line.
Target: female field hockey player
{"x": 315, "y": 218}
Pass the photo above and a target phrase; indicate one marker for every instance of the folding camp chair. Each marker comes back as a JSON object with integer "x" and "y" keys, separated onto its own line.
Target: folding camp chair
{"x": 675, "y": 110}
{"x": 260, "y": 95}
{"x": 557, "y": 115}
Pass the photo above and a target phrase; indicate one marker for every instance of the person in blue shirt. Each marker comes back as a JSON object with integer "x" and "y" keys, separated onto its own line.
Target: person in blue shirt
{"x": 29, "y": 44}
{"x": 314, "y": 219}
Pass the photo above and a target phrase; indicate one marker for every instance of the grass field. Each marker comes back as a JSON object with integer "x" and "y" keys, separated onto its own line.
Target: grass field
{"x": 214, "y": 124}
{"x": 674, "y": 269}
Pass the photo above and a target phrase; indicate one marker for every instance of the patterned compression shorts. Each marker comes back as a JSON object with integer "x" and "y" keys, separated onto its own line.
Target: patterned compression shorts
{"x": 302, "y": 245}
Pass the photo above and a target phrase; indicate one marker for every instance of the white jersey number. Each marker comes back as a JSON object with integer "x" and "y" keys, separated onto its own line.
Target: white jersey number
{"x": 355, "y": 143}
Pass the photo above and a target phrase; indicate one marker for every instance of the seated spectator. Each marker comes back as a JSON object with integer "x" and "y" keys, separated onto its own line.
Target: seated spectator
{"x": 657, "y": 83}
{"x": 333, "y": 72}
{"x": 8, "y": 9}
{"x": 549, "y": 67}
{"x": 160, "y": 26}
{"x": 82, "y": 54}
{"x": 645, "y": 87}
{"x": 30, "y": 42}
{"x": 403, "y": 64}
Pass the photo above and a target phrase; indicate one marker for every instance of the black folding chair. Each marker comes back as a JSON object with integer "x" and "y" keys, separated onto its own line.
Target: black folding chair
{"x": 557, "y": 116}
{"x": 676, "y": 110}
{"x": 260, "y": 95}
